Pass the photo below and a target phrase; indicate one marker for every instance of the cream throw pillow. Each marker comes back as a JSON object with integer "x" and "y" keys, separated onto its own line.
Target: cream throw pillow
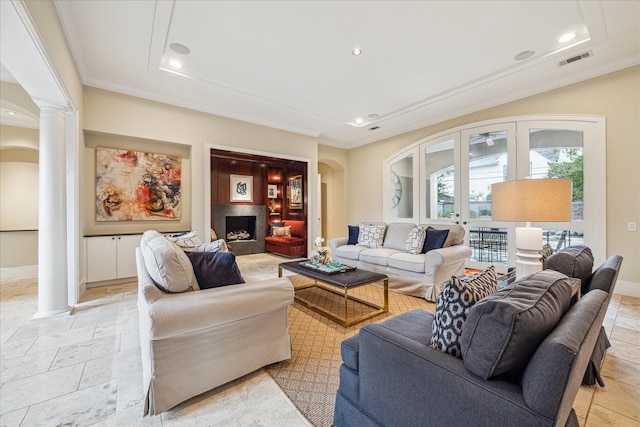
{"x": 168, "y": 266}
{"x": 282, "y": 231}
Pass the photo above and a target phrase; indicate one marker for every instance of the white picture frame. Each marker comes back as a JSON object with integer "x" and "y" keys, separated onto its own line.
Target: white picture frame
{"x": 241, "y": 188}
{"x": 272, "y": 191}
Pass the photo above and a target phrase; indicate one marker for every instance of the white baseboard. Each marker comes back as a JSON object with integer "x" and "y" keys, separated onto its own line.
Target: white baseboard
{"x": 630, "y": 289}
{"x": 7, "y": 273}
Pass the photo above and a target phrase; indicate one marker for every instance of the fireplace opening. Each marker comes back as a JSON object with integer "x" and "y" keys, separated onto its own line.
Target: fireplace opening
{"x": 240, "y": 228}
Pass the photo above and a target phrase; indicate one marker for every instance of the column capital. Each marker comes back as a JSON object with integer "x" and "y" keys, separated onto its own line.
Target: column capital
{"x": 48, "y": 104}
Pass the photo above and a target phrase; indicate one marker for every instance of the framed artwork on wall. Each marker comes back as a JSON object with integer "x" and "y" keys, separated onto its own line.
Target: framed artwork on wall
{"x": 295, "y": 192}
{"x": 272, "y": 191}
{"x": 137, "y": 186}
{"x": 241, "y": 188}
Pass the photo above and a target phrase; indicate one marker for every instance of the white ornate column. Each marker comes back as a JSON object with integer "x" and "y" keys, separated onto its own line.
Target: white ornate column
{"x": 52, "y": 213}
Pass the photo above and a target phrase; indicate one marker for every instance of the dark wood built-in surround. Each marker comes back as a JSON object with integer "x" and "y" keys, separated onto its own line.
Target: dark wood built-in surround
{"x": 265, "y": 171}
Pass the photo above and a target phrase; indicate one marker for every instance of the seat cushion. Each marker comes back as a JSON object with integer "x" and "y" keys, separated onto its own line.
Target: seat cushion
{"x": 215, "y": 269}
{"x": 414, "y": 324}
{"x": 284, "y": 240}
{"x": 408, "y": 262}
{"x": 168, "y": 265}
{"x": 378, "y": 256}
{"x": 503, "y": 330}
{"x": 349, "y": 251}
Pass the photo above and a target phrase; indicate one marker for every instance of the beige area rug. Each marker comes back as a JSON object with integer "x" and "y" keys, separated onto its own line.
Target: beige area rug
{"x": 310, "y": 378}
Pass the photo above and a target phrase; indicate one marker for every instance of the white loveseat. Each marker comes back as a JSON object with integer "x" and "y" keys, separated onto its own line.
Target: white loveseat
{"x": 196, "y": 340}
{"x": 417, "y": 274}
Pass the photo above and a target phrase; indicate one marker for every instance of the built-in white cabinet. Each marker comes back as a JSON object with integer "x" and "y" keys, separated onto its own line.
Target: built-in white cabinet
{"x": 111, "y": 257}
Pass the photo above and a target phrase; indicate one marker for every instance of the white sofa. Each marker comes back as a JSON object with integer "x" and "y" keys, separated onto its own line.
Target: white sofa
{"x": 414, "y": 274}
{"x": 194, "y": 341}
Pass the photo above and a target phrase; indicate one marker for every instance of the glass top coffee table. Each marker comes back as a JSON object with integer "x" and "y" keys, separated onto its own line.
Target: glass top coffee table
{"x": 339, "y": 284}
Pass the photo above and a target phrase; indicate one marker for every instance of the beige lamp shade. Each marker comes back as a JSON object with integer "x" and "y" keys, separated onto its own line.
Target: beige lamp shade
{"x": 532, "y": 200}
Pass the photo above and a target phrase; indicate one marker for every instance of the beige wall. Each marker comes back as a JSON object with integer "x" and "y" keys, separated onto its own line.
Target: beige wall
{"x": 615, "y": 96}
{"x": 332, "y": 165}
{"x": 130, "y": 117}
{"x": 18, "y": 196}
{"x": 93, "y": 227}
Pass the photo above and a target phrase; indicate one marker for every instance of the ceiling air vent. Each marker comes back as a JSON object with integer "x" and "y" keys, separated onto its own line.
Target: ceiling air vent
{"x": 575, "y": 58}
{"x": 374, "y": 128}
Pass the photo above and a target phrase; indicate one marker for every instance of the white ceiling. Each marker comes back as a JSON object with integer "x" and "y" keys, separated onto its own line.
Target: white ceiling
{"x": 289, "y": 64}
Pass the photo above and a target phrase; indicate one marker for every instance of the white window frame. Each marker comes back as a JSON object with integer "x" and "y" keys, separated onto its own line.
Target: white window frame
{"x": 594, "y": 146}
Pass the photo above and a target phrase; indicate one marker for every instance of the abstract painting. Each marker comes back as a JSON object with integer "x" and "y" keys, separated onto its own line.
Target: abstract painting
{"x": 241, "y": 188}
{"x": 137, "y": 186}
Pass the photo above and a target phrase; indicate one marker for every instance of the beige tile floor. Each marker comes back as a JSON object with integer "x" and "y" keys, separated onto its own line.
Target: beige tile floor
{"x": 84, "y": 369}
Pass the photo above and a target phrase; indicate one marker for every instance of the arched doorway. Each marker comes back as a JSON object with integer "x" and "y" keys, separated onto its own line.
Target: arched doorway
{"x": 332, "y": 219}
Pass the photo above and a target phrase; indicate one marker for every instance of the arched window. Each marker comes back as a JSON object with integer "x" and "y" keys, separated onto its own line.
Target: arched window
{"x": 446, "y": 178}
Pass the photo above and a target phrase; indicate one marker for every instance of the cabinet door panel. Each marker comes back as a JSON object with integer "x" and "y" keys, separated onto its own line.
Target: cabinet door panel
{"x": 101, "y": 258}
{"x": 126, "y": 263}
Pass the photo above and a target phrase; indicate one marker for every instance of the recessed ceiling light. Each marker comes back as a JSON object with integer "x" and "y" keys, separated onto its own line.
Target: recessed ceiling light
{"x": 359, "y": 121}
{"x": 567, "y": 38}
{"x": 373, "y": 116}
{"x": 180, "y": 48}
{"x": 356, "y": 51}
{"x": 175, "y": 63}
{"x": 11, "y": 113}
{"x": 524, "y": 55}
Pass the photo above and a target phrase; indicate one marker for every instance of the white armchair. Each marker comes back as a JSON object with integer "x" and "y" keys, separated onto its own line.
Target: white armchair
{"x": 194, "y": 341}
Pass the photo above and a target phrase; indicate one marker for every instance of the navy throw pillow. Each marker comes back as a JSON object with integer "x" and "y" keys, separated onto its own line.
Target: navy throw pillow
{"x": 435, "y": 239}
{"x": 215, "y": 269}
{"x": 275, "y": 224}
{"x": 354, "y": 230}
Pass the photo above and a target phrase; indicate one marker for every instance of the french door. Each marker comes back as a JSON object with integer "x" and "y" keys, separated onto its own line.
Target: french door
{"x": 488, "y": 156}
{"x": 574, "y": 149}
{"x": 456, "y": 169}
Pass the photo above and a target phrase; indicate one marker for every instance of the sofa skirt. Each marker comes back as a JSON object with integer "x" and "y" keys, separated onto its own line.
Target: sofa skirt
{"x": 179, "y": 368}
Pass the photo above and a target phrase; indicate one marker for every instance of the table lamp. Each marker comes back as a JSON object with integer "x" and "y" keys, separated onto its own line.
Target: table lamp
{"x": 531, "y": 200}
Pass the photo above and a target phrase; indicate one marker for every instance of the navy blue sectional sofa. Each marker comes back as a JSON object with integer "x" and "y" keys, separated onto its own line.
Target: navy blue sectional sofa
{"x": 516, "y": 369}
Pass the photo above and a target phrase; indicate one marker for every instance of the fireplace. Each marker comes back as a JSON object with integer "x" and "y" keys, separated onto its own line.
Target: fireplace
{"x": 243, "y": 226}
{"x": 240, "y": 228}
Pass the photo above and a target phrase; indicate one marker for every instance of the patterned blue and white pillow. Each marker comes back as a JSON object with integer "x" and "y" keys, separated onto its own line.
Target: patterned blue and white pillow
{"x": 415, "y": 240}
{"x": 546, "y": 252}
{"x": 185, "y": 240}
{"x": 456, "y": 298}
{"x": 371, "y": 236}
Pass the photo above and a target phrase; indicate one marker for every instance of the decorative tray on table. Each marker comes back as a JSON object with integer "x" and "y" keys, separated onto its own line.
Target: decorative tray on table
{"x": 331, "y": 268}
